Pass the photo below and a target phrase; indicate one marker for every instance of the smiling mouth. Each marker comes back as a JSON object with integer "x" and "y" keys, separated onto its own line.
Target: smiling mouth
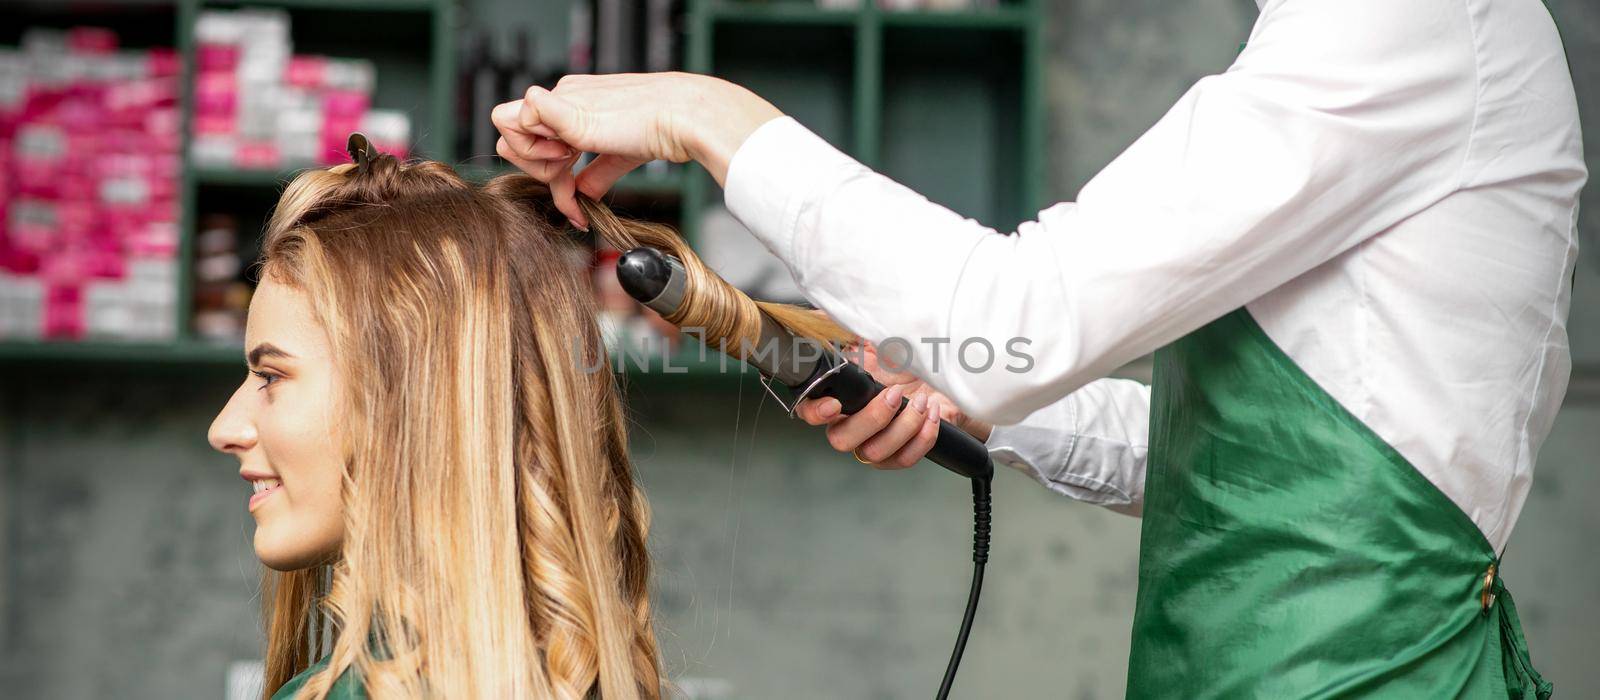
{"x": 262, "y": 490}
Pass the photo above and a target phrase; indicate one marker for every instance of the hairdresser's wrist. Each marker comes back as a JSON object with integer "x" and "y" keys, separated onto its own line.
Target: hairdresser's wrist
{"x": 724, "y": 116}
{"x": 978, "y": 429}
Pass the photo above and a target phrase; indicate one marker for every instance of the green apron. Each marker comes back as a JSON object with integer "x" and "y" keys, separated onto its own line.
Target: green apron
{"x": 345, "y": 688}
{"x": 1289, "y": 552}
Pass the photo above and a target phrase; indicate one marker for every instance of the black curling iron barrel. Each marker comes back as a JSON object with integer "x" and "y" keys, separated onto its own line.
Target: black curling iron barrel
{"x": 660, "y": 282}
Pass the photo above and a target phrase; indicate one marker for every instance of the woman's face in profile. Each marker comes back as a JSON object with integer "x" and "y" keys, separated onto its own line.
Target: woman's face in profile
{"x": 280, "y": 424}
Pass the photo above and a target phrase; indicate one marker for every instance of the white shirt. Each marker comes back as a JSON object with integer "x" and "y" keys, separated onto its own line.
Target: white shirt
{"x": 1390, "y": 188}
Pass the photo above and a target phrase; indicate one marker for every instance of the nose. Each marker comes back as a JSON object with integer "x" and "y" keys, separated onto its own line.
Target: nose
{"x": 233, "y": 431}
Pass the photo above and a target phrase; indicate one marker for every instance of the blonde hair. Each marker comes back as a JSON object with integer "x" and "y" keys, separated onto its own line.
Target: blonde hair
{"x": 494, "y": 539}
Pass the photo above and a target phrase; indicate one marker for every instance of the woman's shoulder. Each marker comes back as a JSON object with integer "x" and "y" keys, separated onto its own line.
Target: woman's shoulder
{"x": 347, "y": 687}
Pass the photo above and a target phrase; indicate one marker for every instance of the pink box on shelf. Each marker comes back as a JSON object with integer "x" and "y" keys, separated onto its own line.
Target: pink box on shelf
{"x": 216, "y": 58}
{"x": 20, "y": 262}
{"x": 65, "y": 272}
{"x": 217, "y": 124}
{"x": 163, "y": 126}
{"x": 63, "y": 314}
{"x": 306, "y": 71}
{"x": 91, "y": 40}
{"x": 134, "y": 97}
{"x": 29, "y": 229}
{"x": 163, "y": 62}
{"x": 77, "y": 186}
{"x": 36, "y": 178}
{"x": 215, "y": 94}
{"x": 155, "y": 239}
{"x": 105, "y": 264}
{"x": 345, "y": 103}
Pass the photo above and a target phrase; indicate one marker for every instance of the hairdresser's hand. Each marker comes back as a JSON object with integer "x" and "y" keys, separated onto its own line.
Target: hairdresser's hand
{"x": 875, "y": 434}
{"x": 628, "y": 119}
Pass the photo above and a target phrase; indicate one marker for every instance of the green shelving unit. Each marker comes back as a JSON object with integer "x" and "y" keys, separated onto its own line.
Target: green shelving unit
{"x": 362, "y": 5}
{"x": 187, "y": 352}
{"x": 948, "y": 102}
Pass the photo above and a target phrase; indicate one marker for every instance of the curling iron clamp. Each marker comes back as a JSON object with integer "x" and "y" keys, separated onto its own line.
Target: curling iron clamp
{"x": 814, "y": 370}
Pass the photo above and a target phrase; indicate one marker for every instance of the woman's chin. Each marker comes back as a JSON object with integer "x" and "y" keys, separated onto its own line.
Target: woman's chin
{"x": 292, "y": 555}
{"x": 279, "y": 564}
{"x": 277, "y": 559}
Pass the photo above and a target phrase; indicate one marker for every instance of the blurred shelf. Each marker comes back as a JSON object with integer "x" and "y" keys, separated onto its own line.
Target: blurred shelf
{"x": 1004, "y": 17}
{"x": 890, "y": 86}
{"x": 240, "y": 177}
{"x": 363, "y": 5}
{"x": 781, "y": 13}
{"x": 139, "y": 24}
{"x": 801, "y": 13}
{"x": 101, "y": 7}
{"x": 36, "y": 352}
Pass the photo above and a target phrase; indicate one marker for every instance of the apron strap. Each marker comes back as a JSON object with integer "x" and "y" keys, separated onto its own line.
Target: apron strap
{"x": 1518, "y": 663}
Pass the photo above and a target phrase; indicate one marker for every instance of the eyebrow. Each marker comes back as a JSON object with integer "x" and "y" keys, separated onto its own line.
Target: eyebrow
{"x": 265, "y": 350}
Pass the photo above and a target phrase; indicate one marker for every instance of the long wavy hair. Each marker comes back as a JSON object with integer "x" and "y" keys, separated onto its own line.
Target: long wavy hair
{"x": 495, "y": 539}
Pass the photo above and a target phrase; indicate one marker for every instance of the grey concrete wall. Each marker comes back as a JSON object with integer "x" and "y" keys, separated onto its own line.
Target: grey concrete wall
{"x": 129, "y": 561}
{"x": 783, "y": 570}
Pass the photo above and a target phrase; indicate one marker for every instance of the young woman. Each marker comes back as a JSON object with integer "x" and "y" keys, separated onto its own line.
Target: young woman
{"x": 442, "y": 494}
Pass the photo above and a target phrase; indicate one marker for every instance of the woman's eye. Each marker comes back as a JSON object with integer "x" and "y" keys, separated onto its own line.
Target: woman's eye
{"x": 266, "y": 379}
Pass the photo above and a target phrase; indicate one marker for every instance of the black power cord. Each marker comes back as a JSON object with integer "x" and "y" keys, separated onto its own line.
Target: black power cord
{"x": 980, "y": 556}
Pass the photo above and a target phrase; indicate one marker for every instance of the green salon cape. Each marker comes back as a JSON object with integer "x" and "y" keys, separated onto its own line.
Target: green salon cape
{"x": 1289, "y": 552}
{"x": 347, "y": 687}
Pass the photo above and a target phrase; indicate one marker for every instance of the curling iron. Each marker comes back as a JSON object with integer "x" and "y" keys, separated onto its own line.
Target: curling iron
{"x": 811, "y": 370}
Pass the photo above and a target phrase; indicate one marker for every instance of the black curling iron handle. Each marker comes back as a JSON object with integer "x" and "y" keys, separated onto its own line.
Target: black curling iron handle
{"x": 954, "y": 449}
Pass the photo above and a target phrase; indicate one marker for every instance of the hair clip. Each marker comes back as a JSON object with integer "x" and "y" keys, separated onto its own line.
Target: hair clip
{"x": 361, "y": 151}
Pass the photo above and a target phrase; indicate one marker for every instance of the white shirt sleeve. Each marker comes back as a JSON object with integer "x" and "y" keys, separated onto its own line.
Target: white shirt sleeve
{"x": 1089, "y": 446}
{"x": 1339, "y": 120}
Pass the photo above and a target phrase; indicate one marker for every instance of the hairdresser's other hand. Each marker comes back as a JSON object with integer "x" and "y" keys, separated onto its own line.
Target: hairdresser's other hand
{"x": 875, "y": 433}
{"x": 628, "y": 119}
